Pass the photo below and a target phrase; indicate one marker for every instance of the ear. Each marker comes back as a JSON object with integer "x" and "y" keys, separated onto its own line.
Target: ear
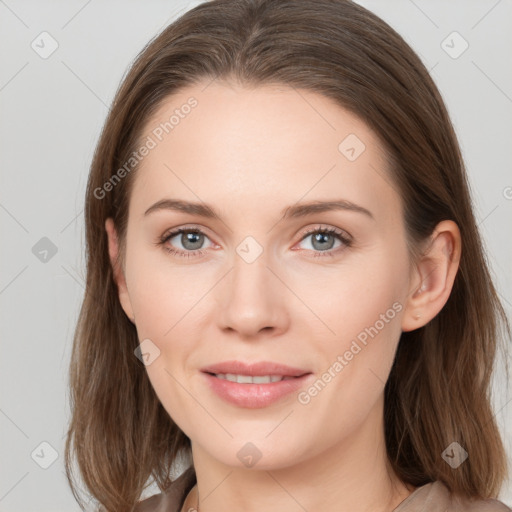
{"x": 433, "y": 277}
{"x": 119, "y": 277}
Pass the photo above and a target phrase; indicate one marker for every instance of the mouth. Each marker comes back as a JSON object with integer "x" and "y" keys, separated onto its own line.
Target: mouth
{"x": 251, "y": 379}
{"x": 259, "y": 369}
{"x": 255, "y": 385}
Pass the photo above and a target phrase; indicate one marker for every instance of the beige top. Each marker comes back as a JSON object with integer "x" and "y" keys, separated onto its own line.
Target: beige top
{"x": 432, "y": 497}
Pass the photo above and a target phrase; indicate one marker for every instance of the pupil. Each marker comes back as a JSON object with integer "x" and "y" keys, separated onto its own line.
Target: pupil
{"x": 189, "y": 238}
{"x": 321, "y": 237}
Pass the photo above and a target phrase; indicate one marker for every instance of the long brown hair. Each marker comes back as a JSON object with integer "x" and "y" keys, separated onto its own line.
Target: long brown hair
{"x": 439, "y": 387}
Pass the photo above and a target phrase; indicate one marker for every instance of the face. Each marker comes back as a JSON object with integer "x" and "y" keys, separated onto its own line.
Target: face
{"x": 322, "y": 290}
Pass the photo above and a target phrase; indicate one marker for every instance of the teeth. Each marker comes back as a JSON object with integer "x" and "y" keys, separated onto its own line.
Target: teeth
{"x": 248, "y": 379}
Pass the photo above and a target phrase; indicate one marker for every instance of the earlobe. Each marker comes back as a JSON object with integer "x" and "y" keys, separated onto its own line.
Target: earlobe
{"x": 434, "y": 276}
{"x": 119, "y": 277}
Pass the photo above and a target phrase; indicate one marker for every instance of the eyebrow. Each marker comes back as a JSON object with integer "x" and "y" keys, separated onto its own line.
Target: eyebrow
{"x": 294, "y": 211}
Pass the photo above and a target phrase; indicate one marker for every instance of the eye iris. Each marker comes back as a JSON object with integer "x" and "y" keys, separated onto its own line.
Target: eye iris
{"x": 191, "y": 237}
{"x": 321, "y": 237}
{"x": 192, "y": 240}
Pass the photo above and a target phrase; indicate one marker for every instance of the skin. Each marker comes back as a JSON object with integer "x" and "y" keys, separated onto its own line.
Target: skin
{"x": 250, "y": 153}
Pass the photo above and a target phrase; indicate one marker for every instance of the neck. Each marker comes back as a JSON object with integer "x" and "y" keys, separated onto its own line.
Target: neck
{"x": 353, "y": 475}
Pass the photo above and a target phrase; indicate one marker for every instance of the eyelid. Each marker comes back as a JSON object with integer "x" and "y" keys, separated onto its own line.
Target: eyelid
{"x": 185, "y": 227}
{"x": 307, "y": 231}
{"x": 345, "y": 238}
{"x": 173, "y": 232}
{"x": 329, "y": 229}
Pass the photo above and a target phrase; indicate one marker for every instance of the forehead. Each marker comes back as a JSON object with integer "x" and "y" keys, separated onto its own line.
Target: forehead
{"x": 270, "y": 145}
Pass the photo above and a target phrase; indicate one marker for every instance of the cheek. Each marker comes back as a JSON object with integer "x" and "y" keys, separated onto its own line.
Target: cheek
{"x": 354, "y": 296}
{"x": 166, "y": 301}
{"x": 164, "y": 296}
{"x": 357, "y": 364}
{"x": 366, "y": 316}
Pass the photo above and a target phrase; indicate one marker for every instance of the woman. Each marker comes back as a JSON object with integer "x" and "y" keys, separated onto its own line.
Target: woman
{"x": 286, "y": 286}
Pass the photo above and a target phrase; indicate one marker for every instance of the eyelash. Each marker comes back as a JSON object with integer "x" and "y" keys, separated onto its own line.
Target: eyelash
{"x": 347, "y": 242}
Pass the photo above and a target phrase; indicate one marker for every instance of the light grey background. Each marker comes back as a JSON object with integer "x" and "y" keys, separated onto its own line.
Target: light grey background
{"x": 52, "y": 111}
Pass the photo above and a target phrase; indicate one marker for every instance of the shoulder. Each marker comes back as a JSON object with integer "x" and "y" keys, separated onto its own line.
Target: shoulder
{"x": 171, "y": 499}
{"x": 487, "y": 505}
{"x": 436, "y": 497}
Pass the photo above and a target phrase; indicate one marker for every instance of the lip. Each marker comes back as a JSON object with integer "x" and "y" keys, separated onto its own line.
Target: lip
{"x": 254, "y": 396}
{"x": 252, "y": 369}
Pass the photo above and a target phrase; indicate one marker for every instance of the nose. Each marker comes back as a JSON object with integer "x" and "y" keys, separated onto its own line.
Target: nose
{"x": 252, "y": 298}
